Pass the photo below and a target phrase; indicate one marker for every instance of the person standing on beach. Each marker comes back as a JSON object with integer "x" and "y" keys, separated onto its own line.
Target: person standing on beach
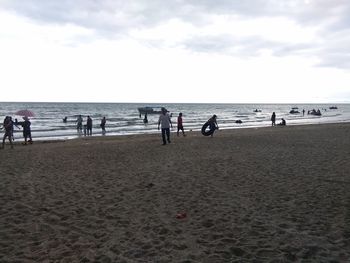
{"x": 273, "y": 119}
{"x": 8, "y": 126}
{"x": 14, "y": 123}
{"x": 213, "y": 125}
{"x": 180, "y": 125}
{"x": 27, "y": 131}
{"x": 165, "y": 122}
{"x": 79, "y": 123}
{"x": 89, "y": 126}
{"x": 103, "y": 125}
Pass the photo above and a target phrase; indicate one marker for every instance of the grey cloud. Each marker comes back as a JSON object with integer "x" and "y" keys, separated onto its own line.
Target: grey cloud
{"x": 104, "y": 17}
{"x": 115, "y": 18}
{"x": 334, "y": 49}
{"x": 108, "y": 16}
{"x": 283, "y": 49}
{"x": 331, "y": 52}
{"x": 333, "y": 60}
{"x": 248, "y": 46}
{"x": 121, "y": 15}
{"x": 243, "y": 47}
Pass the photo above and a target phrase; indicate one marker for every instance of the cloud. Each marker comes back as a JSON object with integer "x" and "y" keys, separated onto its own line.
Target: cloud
{"x": 106, "y": 17}
{"x": 239, "y": 47}
{"x": 114, "y": 15}
{"x": 291, "y": 27}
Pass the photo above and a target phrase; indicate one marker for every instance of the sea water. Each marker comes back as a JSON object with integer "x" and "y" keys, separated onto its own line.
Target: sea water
{"x": 124, "y": 119}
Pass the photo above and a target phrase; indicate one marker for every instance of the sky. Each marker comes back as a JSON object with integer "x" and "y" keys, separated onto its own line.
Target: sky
{"x": 175, "y": 51}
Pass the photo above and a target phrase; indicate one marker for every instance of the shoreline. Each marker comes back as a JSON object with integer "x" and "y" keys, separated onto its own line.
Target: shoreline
{"x": 123, "y": 119}
{"x": 173, "y": 131}
{"x": 265, "y": 194}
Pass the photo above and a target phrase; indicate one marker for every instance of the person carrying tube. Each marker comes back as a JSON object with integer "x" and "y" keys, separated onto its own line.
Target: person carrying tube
{"x": 212, "y": 125}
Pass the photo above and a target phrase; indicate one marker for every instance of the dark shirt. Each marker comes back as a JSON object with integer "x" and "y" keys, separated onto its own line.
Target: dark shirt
{"x": 8, "y": 125}
{"x": 273, "y": 117}
{"x": 103, "y": 123}
{"x": 89, "y": 123}
{"x": 26, "y": 126}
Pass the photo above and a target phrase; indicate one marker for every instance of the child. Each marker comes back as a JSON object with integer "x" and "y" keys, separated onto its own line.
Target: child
{"x": 180, "y": 125}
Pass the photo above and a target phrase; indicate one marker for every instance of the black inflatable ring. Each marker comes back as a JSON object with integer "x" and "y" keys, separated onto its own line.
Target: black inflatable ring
{"x": 207, "y": 132}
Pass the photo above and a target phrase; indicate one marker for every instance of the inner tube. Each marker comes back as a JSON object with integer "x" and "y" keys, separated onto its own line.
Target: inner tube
{"x": 209, "y": 132}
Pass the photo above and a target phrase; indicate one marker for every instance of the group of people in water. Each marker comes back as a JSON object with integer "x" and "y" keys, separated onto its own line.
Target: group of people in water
{"x": 9, "y": 125}
{"x": 87, "y": 128}
{"x": 164, "y": 124}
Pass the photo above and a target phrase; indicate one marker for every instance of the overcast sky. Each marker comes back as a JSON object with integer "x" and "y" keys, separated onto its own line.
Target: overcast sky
{"x": 229, "y": 51}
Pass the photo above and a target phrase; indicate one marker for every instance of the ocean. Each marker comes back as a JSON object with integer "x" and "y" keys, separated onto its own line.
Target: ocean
{"x": 124, "y": 119}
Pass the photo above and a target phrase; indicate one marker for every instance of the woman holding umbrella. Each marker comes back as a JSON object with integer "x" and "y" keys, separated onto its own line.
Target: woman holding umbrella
{"x": 26, "y": 125}
{"x": 26, "y": 130}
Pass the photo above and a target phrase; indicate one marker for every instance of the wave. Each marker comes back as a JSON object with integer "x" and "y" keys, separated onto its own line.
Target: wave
{"x": 124, "y": 119}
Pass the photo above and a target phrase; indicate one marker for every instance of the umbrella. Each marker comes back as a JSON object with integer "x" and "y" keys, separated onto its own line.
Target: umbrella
{"x": 25, "y": 113}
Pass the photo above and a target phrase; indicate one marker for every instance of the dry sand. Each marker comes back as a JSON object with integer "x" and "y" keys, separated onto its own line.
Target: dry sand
{"x": 277, "y": 194}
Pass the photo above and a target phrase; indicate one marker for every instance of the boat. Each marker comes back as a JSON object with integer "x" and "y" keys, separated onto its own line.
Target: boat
{"x": 294, "y": 111}
{"x": 315, "y": 112}
{"x": 333, "y": 108}
{"x": 149, "y": 110}
{"x": 256, "y": 110}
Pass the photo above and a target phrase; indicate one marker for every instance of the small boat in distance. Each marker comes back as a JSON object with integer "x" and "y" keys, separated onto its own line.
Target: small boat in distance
{"x": 294, "y": 110}
{"x": 315, "y": 112}
{"x": 333, "y": 108}
{"x": 149, "y": 110}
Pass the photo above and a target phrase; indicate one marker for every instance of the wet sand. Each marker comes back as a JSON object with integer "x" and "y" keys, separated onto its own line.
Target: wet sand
{"x": 275, "y": 194}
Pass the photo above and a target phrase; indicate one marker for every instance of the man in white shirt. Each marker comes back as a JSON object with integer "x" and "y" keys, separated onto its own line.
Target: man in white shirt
{"x": 165, "y": 122}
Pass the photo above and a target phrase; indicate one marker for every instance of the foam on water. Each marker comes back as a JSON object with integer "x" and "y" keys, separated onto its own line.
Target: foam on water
{"x": 123, "y": 118}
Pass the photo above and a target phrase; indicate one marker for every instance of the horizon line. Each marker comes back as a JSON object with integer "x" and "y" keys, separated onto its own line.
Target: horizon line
{"x": 97, "y": 102}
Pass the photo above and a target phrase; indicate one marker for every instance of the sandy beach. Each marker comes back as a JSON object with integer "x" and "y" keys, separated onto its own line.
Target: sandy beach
{"x": 274, "y": 194}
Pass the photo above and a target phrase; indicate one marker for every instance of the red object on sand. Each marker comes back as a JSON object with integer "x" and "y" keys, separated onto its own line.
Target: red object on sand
{"x": 181, "y": 215}
{"x": 25, "y": 113}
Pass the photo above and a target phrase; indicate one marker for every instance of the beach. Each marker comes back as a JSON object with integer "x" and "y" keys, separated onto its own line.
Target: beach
{"x": 273, "y": 194}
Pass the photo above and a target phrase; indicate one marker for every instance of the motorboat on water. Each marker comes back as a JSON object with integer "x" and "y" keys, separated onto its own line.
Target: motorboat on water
{"x": 294, "y": 110}
{"x": 149, "y": 110}
{"x": 333, "y": 108}
{"x": 315, "y": 112}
